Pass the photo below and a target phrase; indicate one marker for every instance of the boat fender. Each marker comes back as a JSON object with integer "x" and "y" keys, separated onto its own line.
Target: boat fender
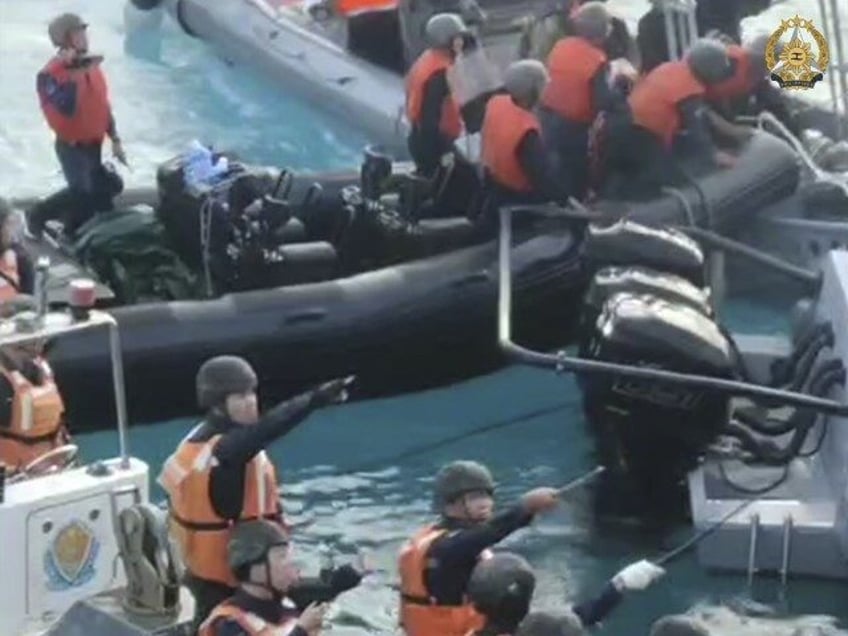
{"x": 151, "y": 568}
{"x": 625, "y": 243}
{"x": 179, "y": 9}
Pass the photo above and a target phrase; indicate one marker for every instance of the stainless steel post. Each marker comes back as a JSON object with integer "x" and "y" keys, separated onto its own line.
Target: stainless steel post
{"x": 120, "y": 395}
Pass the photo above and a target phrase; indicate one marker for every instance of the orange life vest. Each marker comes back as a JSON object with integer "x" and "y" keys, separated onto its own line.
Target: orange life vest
{"x": 37, "y": 411}
{"x": 426, "y": 66}
{"x": 740, "y": 84}
{"x": 350, "y": 8}
{"x": 10, "y": 278}
{"x": 419, "y": 614}
{"x": 656, "y": 97}
{"x": 504, "y": 126}
{"x": 250, "y": 623}
{"x": 90, "y": 120}
{"x": 201, "y": 534}
{"x": 573, "y": 64}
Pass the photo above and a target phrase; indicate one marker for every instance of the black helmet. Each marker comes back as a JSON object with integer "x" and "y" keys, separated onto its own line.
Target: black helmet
{"x": 679, "y": 626}
{"x": 709, "y": 61}
{"x": 458, "y": 478}
{"x": 503, "y": 584}
{"x": 250, "y": 542}
{"x": 549, "y": 624}
{"x": 222, "y": 376}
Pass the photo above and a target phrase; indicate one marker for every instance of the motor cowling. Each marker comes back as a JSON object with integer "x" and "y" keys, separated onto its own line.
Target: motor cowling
{"x": 626, "y": 243}
{"x": 650, "y": 434}
{"x": 610, "y": 281}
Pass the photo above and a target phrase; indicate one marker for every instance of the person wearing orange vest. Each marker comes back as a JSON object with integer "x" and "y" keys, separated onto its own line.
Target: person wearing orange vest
{"x": 579, "y": 90}
{"x": 618, "y": 43}
{"x": 221, "y": 474}
{"x": 258, "y": 554}
{"x": 434, "y": 116}
{"x": 748, "y": 91}
{"x": 17, "y": 272}
{"x": 31, "y": 406}
{"x": 501, "y": 590}
{"x": 74, "y": 98}
{"x": 515, "y": 161}
{"x": 667, "y": 102}
{"x": 436, "y": 563}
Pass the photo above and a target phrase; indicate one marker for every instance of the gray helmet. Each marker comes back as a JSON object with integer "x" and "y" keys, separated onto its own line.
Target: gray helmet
{"x": 592, "y": 21}
{"x": 679, "y": 626}
{"x": 250, "y": 542}
{"x": 458, "y": 478}
{"x": 504, "y": 581}
{"x": 549, "y": 624}
{"x": 62, "y": 26}
{"x": 757, "y": 47}
{"x": 222, "y": 376}
{"x": 525, "y": 80}
{"x": 442, "y": 28}
{"x": 709, "y": 61}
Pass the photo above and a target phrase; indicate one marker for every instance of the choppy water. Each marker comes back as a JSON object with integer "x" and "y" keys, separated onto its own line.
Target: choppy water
{"x": 182, "y": 92}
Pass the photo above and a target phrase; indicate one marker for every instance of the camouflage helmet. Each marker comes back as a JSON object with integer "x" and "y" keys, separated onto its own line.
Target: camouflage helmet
{"x": 459, "y": 478}
{"x": 250, "y": 543}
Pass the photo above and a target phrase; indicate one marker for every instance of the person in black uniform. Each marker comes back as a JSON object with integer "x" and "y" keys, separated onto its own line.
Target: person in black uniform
{"x": 501, "y": 589}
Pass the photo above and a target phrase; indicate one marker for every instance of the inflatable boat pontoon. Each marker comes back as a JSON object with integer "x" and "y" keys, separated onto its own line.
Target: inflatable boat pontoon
{"x": 314, "y": 277}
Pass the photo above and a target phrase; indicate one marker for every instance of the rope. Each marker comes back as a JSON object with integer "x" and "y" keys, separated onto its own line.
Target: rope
{"x": 820, "y": 175}
{"x": 426, "y": 448}
{"x": 695, "y": 539}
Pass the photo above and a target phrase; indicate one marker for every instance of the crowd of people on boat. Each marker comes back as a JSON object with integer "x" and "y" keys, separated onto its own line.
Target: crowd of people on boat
{"x": 583, "y": 123}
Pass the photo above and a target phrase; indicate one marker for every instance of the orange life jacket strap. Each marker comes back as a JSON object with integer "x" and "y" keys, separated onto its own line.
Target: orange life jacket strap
{"x": 28, "y": 439}
{"x": 217, "y": 526}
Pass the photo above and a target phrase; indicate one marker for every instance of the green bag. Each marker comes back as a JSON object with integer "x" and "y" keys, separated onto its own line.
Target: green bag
{"x": 128, "y": 250}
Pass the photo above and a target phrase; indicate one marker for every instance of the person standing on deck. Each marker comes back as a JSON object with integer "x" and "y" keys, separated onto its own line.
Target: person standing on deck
{"x": 74, "y": 98}
{"x": 220, "y": 473}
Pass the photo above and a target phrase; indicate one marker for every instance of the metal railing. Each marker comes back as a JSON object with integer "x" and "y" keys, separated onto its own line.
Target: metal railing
{"x": 832, "y": 25}
{"x": 681, "y": 29}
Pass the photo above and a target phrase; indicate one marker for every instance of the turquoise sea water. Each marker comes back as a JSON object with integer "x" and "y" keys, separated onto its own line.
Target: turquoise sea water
{"x": 342, "y": 474}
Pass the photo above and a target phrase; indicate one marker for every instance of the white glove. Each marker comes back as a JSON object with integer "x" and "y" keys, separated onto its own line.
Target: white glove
{"x": 637, "y": 576}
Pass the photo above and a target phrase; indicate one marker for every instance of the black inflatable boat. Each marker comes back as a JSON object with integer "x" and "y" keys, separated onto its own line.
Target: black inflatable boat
{"x": 311, "y": 282}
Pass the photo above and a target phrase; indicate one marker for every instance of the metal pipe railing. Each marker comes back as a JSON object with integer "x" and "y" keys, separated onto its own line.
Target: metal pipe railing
{"x": 561, "y": 361}
{"x": 838, "y": 73}
{"x": 681, "y": 29}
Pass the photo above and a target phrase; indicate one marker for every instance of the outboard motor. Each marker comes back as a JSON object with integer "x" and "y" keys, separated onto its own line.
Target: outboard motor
{"x": 627, "y": 243}
{"x": 650, "y": 434}
{"x": 375, "y": 170}
{"x": 637, "y": 280}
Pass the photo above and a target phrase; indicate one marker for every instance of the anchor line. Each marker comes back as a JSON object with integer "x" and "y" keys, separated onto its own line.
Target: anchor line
{"x": 426, "y": 448}
{"x": 695, "y": 539}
